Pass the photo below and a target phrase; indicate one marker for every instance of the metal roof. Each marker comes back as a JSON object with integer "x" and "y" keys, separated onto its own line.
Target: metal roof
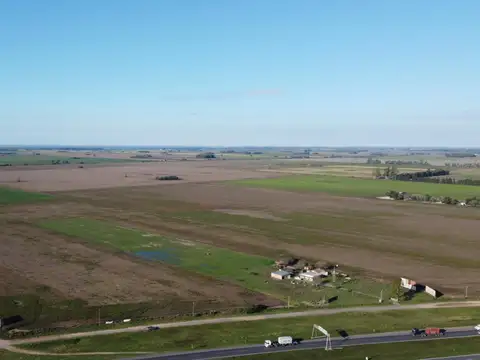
{"x": 281, "y": 272}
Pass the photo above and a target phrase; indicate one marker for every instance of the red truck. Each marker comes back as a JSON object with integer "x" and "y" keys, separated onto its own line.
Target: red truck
{"x": 429, "y": 332}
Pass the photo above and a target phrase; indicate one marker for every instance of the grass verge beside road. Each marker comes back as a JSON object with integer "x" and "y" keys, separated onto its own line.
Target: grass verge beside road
{"x": 398, "y": 351}
{"x": 345, "y": 186}
{"x": 241, "y": 333}
{"x": 8, "y": 355}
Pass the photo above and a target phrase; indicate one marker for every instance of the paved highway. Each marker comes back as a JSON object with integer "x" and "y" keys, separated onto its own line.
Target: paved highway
{"x": 308, "y": 344}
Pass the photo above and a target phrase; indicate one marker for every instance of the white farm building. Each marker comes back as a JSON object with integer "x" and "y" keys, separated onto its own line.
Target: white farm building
{"x": 280, "y": 274}
{"x": 312, "y": 275}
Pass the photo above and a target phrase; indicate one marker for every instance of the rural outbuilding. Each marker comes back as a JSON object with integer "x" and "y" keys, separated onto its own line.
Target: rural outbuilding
{"x": 280, "y": 274}
{"x": 310, "y": 275}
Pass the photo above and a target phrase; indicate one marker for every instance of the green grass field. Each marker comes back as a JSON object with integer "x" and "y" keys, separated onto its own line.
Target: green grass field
{"x": 8, "y": 355}
{"x": 14, "y": 196}
{"x": 398, "y": 351}
{"x": 250, "y": 271}
{"x": 247, "y": 270}
{"x": 332, "y": 228}
{"x": 47, "y": 160}
{"x": 343, "y": 186}
{"x": 224, "y": 335}
{"x": 365, "y": 171}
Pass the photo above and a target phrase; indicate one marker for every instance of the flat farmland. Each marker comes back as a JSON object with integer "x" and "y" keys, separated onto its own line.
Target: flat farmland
{"x": 115, "y": 238}
{"x": 434, "y": 244}
{"x": 247, "y": 270}
{"x": 139, "y": 174}
{"x": 27, "y": 160}
{"x": 360, "y": 171}
{"x": 343, "y": 186}
{"x": 71, "y": 279}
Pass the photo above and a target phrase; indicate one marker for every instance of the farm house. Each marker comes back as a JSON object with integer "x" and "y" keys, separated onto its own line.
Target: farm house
{"x": 310, "y": 275}
{"x": 280, "y": 274}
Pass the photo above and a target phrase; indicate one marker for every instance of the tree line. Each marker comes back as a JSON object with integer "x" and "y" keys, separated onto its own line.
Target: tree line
{"x": 463, "y": 166}
{"x": 391, "y": 172}
{"x": 453, "y": 181}
{"x": 448, "y": 200}
{"x": 372, "y": 161}
{"x": 420, "y": 175}
{"x": 460, "y": 154}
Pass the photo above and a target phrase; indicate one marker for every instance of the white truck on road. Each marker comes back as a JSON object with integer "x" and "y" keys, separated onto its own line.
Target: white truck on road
{"x": 281, "y": 341}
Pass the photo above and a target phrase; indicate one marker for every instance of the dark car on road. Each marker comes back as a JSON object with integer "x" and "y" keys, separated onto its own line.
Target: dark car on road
{"x": 153, "y": 328}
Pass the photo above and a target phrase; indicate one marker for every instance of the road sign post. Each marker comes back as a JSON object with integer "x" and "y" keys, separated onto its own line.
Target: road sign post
{"x": 325, "y": 333}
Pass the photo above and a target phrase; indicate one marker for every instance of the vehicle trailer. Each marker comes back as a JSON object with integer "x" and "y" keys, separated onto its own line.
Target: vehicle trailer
{"x": 428, "y": 332}
{"x": 281, "y": 341}
{"x": 435, "y": 332}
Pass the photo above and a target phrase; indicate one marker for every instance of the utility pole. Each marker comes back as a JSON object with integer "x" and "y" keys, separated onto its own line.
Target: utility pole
{"x": 333, "y": 275}
{"x": 98, "y": 314}
{"x": 193, "y": 309}
{"x": 288, "y": 303}
{"x": 381, "y": 296}
{"x": 466, "y": 292}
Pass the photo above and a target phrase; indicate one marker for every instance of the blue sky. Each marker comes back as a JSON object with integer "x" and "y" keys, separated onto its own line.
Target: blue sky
{"x": 250, "y": 72}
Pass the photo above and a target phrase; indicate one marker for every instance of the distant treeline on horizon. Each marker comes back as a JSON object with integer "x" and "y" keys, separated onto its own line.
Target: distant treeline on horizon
{"x": 452, "y": 151}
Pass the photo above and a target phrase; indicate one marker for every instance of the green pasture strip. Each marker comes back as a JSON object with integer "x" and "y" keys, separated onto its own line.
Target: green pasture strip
{"x": 246, "y": 270}
{"x": 344, "y": 186}
{"x": 14, "y": 196}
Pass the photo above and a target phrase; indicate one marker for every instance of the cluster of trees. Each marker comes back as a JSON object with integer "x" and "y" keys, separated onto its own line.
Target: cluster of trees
{"x": 460, "y": 154}
{"x": 473, "y": 201}
{"x": 58, "y": 162}
{"x": 168, "y": 177}
{"x": 448, "y": 200}
{"x": 206, "y": 155}
{"x": 389, "y": 172}
{"x": 453, "y": 181}
{"x": 419, "y": 175}
{"x": 372, "y": 161}
{"x": 400, "y": 195}
{"x": 464, "y": 166}
{"x": 141, "y": 156}
{"x": 405, "y": 162}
